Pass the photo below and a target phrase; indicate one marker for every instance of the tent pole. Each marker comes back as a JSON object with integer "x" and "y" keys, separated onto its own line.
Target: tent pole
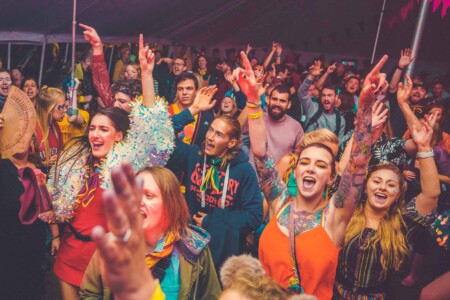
{"x": 9, "y": 56}
{"x": 42, "y": 62}
{"x": 417, "y": 38}
{"x": 111, "y": 58}
{"x": 72, "y": 74}
{"x": 67, "y": 52}
{"x": 378, "y": 32}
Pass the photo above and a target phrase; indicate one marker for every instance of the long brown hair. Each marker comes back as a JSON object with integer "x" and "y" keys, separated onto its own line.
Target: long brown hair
{"x": 234, "y": 132}
{"x": 176, "y": 212}
{"x": 390, "y": 234}
{"x": 79, "y": 146}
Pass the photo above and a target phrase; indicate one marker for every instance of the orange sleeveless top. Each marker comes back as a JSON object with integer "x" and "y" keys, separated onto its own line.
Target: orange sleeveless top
{"x": 316, "y": 253}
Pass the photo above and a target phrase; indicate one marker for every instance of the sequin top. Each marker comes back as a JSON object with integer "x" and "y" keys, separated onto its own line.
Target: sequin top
{"x": 149, "y": 142}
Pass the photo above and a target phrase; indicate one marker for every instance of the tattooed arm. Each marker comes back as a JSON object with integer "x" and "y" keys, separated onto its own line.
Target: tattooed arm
{"x": 273, "y": 187}
{"x": 347, "y": 197}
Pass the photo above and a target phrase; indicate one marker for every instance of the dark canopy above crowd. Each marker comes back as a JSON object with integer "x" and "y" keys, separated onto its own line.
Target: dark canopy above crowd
{"x": 345, "y": 27}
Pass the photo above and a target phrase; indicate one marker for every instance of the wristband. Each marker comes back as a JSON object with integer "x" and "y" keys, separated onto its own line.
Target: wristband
{"x": 401, "y": 69}
{"x": 256, "y": 115}
{"x": 72, "y": 111}
{"x": 253, "y": 105}
{"x": 425, "y": 154}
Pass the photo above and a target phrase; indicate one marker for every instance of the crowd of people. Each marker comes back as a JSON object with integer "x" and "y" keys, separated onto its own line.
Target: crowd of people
{"x": 182, "y": 177}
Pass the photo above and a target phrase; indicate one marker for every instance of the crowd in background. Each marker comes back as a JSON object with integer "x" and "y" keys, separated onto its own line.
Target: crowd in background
{"x": 334, "y": 177}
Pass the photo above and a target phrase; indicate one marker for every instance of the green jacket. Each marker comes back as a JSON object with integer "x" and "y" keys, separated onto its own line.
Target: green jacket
{"x": 198, "y": 280}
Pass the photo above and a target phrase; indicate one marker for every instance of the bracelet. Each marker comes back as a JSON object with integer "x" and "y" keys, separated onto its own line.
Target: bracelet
{"x": 72, "y": 111}
{"x": 253, "y": 105}
{"x": 256, "y": 115}
{"x": 56, "y": 237}
{"x": 401, "y": 69}
{"x": 425, "y": 154}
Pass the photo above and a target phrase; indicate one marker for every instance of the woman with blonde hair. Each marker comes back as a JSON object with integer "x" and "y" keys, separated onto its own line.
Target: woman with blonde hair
{"x": 131, "y": 71}
{"x": 308, "y": 229}
{"x": 376, "y": 240}
{"x": 50, "y": 109}
{"x": 286, "y": 164}
{"x": 228, "y": 107}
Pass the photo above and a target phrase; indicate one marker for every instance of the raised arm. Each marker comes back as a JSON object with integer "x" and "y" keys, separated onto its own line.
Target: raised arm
{"x": 147, "y": 63}
{"x": 250, "y": 87}
{"x": 403, "y": 93}
{"x": 72, "y": 113}
{"x": 379, "y": 118}
{"x": 100, "y": 74}
{"x": 347, "y": 197}
{"x": 302, "y": 92}
{"x": 403, "y": 62}
{"x": 270, "y": 55}
{"x": 426, "y": 201}
{"x": 273, "y": 187}
{"x": 325, "y": 75}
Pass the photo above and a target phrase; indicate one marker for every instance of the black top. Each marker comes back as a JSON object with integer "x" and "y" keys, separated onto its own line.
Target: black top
{"x": 21, "y": 246}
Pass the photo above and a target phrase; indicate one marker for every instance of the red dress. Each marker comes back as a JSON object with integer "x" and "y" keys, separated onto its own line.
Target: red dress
{"x": 74, "y": 254}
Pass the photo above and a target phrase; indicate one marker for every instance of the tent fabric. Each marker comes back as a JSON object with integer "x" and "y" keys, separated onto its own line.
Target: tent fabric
{"x": 343, "y": 27}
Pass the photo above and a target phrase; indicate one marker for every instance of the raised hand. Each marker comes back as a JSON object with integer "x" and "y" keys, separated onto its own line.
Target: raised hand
{"x": 247, "y": 80}
{"x": 405, "y": 58}
{"x": 202, "y": 101}
{"x": 404, "y": 91}
{"x": 315, "y": 69}
{"x": 228, "y": 76}
{"x": 91, "y": 35}
{"x": 279, "y": 49}
{"x": 375, "y": 82}
{"x": 379, "y": 114}
{"x": 331, "y": 68}
{"x": 274, "y": 46}
{"x": 423, "y": 136}
{"x": 123, "y": 249}
{"x": 249, "y": 48}
{"x": 146, "y": 57}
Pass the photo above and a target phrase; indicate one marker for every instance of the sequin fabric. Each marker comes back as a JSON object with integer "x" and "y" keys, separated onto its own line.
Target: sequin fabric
{"x": 149, "y": 142}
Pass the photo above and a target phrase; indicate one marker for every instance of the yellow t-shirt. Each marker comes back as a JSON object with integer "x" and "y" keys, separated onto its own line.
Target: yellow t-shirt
{"x": 69, "y": 130}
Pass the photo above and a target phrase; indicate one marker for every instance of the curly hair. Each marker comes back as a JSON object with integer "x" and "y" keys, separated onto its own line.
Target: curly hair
{"x": 132, "y": 88}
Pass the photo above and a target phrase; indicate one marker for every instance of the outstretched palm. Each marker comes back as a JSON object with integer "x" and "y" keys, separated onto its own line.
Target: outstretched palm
{"x": 405, "y": 58}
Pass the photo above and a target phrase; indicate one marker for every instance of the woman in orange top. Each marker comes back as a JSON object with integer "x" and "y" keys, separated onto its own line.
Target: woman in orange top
{"x": 299, "y": 248}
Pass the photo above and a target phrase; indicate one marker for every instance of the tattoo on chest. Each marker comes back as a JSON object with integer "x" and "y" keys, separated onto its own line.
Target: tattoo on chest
{"x": 303, "y": 221}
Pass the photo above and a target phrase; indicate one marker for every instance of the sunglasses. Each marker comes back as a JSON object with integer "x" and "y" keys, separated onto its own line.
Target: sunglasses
{"x": 61, "y": 107}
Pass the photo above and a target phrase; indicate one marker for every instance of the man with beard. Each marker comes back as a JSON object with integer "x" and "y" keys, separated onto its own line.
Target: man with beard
{"x": 323, "y": 115}
{"x": 283, "y": 132}
{"x": 416, "y": 102}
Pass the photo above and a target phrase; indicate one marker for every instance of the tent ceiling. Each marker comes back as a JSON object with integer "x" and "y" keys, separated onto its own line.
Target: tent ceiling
{"x": 345, "y": 27}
